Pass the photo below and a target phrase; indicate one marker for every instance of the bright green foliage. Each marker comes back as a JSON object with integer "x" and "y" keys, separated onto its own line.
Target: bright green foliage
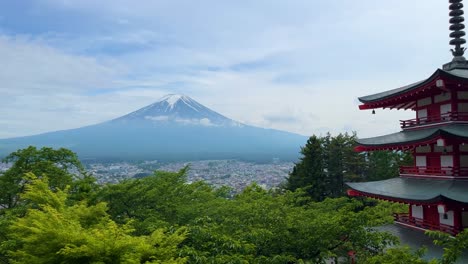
{"x": 163, "y": 219}
{"x": 454, "y": 247}
{"x": 381, "y": 212}
{"x": 255, "y": 226}
{"x": 62, "y": 169}
{"x": 161, "y": 200}
{"x": 266, "y": 228}
{"x": 342, "y": 163}
{"x": 56, "y": 164}
{"x": 400, "y": 255}
{"x": 309, "y": 172}
{"x": 53, "y": 232}
{"x": 385, "y": 164}
{"x": 326, "y": 164}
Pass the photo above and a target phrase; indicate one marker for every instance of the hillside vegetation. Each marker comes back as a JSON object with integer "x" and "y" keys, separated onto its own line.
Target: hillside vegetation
{"x": 54, "y": 212}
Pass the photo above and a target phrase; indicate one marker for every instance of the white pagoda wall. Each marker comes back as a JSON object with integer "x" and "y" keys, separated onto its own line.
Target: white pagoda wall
{"x": 465, "y": 219}
{"x": 464, "y": 161}
{"x": 449, "y": 220}
{"x": 417, "y": 211}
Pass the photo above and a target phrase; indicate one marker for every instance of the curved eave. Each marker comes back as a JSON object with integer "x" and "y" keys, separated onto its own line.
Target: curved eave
{"x": 355, "y": 193}
{"x": 410, "y": 190}
{"x": 411, "y": 138}
{"x": 392, "y": 97}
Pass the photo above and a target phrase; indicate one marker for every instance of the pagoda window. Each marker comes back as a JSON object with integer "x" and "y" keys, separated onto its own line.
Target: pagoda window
{"x": 465, "y": 219}
{"x": 425, "y": 149}
{"x": 442, "y": 149}
{"x": 442, "y": 97}
{"x": 463, "y": 107}
{"x": 464, "y": 161}
{"x": 446, "y": 161}
{"x": 422, "y": 114}
{"x": 462, "y": 95}
{"x": 424, "y": 101}
{"x": 445, "y": 109}
{"x": 447, "y": 218}
{"x": 417, "y": 211}
{"x": 421, "y": 161}
{"x": 463, "y": 147}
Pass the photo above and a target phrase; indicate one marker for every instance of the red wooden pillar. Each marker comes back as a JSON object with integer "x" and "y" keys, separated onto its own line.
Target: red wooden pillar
{"x": 431, "y": 215}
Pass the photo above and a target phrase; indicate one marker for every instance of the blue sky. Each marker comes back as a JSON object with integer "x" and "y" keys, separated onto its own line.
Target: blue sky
{"x": 295, "y": 65}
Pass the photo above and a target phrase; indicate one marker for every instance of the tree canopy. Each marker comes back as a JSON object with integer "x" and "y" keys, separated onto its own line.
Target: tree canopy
{"x": 330, "y": 161}
{"x": 61, "y": 167}
{"x": 164, "y": 219}
{"x": 52, "y": 232}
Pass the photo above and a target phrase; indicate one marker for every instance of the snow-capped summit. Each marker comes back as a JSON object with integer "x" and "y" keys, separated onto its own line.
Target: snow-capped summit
{"x": 173, "y": 99}
{"x": 174, "y": 128}
{"x": 179, "y": 109}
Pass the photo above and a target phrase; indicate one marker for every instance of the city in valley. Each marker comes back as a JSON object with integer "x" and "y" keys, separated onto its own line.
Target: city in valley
{"x": 232, "y": 173}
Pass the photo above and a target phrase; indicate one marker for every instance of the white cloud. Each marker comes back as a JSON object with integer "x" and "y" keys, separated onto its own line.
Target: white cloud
{"x": 194, "y": 121}
{"x": 283, "y": 65}
{"x": 157, "y": 118}
{"x": 206, "y": 122}
{"x": 31, "y": 67}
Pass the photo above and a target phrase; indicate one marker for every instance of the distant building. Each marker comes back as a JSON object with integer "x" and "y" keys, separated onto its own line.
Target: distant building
{"x": 435, "y": 188}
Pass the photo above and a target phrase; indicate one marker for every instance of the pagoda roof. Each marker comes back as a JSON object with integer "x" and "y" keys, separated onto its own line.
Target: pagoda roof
{"x": 385, "y": 99}
{"x": 414, "y": 190}
{"x": 409, "y": 138}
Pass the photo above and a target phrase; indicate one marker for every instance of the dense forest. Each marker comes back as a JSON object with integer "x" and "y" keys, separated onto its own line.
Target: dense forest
{"x": 52, "y": 211}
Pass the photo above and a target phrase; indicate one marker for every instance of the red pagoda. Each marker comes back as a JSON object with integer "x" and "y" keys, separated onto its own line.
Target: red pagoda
{"x": 436, "y": 186}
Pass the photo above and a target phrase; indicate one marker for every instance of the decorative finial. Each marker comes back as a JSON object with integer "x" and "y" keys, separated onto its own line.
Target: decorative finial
{"x": 457, "y": 34}
{"x": 457, "y": 26}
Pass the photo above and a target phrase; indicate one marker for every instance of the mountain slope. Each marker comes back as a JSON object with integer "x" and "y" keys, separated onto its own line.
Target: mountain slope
{"x": 174, "y": 128}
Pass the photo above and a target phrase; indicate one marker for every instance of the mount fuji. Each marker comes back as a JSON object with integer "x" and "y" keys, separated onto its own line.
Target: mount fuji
{"x": 178, "y": 109}
{"x": 174, "y": 128}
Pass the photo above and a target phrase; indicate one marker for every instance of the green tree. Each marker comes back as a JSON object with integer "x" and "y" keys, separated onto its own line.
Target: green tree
{"x": 61, "y": 166}
{"x": 335, "y": 164}
{"x": 400, "y": 255}
{"x": 162, "y": 200}
{"x": 309, "y": 172}
{"x": 354, "y": 162}
{"x": 326, "y": 164}
{"x": 385, "y": 164}
{"x": 164, "y": 219}
{"x": 454, "y": 247}
{"x": 54, "y": 232}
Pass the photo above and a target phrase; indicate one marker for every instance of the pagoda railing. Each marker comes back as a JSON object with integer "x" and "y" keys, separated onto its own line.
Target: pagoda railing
{"x": 450, "y": 116}
{"x": 406, "y": 219}
{"x": 436, "y": 171}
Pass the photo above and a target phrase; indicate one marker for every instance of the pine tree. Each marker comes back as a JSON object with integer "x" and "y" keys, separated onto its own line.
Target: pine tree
{"x": 336, "y": 166}
{"x": 309, "y": 172}
{"x": 385, "y": 164}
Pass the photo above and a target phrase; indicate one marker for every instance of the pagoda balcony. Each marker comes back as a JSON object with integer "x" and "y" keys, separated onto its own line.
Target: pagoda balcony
{"x": 434, "y": 171}
{"x": 406, "y": 220}
{"x": 429, "y": 120}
